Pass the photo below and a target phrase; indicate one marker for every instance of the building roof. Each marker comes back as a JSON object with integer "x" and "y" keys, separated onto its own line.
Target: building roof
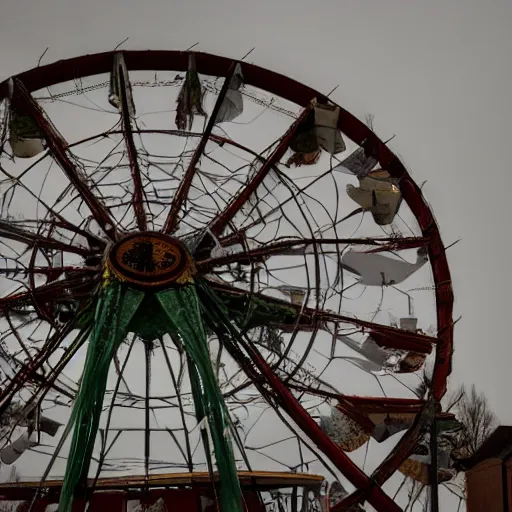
{"x": 497, "y": 446}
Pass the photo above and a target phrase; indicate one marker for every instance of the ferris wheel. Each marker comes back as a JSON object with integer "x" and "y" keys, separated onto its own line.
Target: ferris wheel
{"x": 219, "y": 291}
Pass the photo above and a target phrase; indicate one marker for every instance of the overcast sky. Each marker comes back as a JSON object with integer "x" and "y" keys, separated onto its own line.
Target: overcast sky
{"x": 437, "y": 74}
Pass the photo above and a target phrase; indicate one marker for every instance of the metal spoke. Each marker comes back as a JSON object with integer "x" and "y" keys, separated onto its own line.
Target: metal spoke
{"x": 172, "y": 221}
{"x": 50, "y": 270}
{"x": 300, "y": 246}
{"x": 309, "y": 318}
{"x": 11, "y": 232}
{"x": 227, "y": 215}
{"x": 71, "y": 288}
{"x": 25, "y": 102}
{"x": 27, "y": 372}
{"x": 138, "y": 189}
{"x": 57, "y": 220}
{"x": 303, "y": 420}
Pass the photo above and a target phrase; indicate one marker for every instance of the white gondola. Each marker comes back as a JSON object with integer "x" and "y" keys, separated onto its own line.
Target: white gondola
{"x": 326, "y": 123}
{"x": 24, "y": 136}
{"x": 375, "y": 356}
{"x": 11, "y": 453}
{"x": 318, "y": 131}
{"x": 374, "y": 269}
{"x": 379, "y": 194}
{"x": 295, "y": 293}
{"x": 409, "y": 324}
{"x": 24, "y": 417}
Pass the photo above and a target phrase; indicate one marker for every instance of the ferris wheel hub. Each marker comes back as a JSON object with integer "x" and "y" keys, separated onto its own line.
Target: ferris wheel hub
{"x": 151, "y": 260}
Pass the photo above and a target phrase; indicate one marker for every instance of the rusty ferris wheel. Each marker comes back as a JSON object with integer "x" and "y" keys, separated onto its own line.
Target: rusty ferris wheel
{"x": 219, "y": 292}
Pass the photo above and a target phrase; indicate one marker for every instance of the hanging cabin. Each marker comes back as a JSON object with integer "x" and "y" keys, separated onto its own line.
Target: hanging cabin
{"x": 318, "y": 131}
{"x": 295, "y": 293}
{"x": 418, "y": 465}
{"x": 351, "y": 425}
{"x": 25, "y": 136}
{"x": 378, "y": 193}
{"x": 409, "y": 323}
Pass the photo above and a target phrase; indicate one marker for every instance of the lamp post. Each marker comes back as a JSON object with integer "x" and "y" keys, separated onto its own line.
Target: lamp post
{"x": 434, "y": 494}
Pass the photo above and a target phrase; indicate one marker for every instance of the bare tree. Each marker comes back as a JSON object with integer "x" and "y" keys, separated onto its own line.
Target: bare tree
{"x": 478, "y": 422}
{"x": 473, "y": 411}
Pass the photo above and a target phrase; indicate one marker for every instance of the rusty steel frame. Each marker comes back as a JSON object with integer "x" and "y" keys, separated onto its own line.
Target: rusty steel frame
{"x": 266, "y": 250}
{"x": 138, "y": 189}
{"x": 228, "y": 214}
{"x": 23, "y": 99}
{"x": 391, "y": 337}
{"x": 289, "y": 403}
{"x": 172, "y": 221}
{"x": 302, "y": 95}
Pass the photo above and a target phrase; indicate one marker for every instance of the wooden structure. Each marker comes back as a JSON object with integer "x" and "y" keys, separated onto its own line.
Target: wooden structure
{"x": 179, "y": 491}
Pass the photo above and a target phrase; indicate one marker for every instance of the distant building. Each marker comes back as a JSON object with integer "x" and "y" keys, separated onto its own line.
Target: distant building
{"x": 489, "y": 474}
